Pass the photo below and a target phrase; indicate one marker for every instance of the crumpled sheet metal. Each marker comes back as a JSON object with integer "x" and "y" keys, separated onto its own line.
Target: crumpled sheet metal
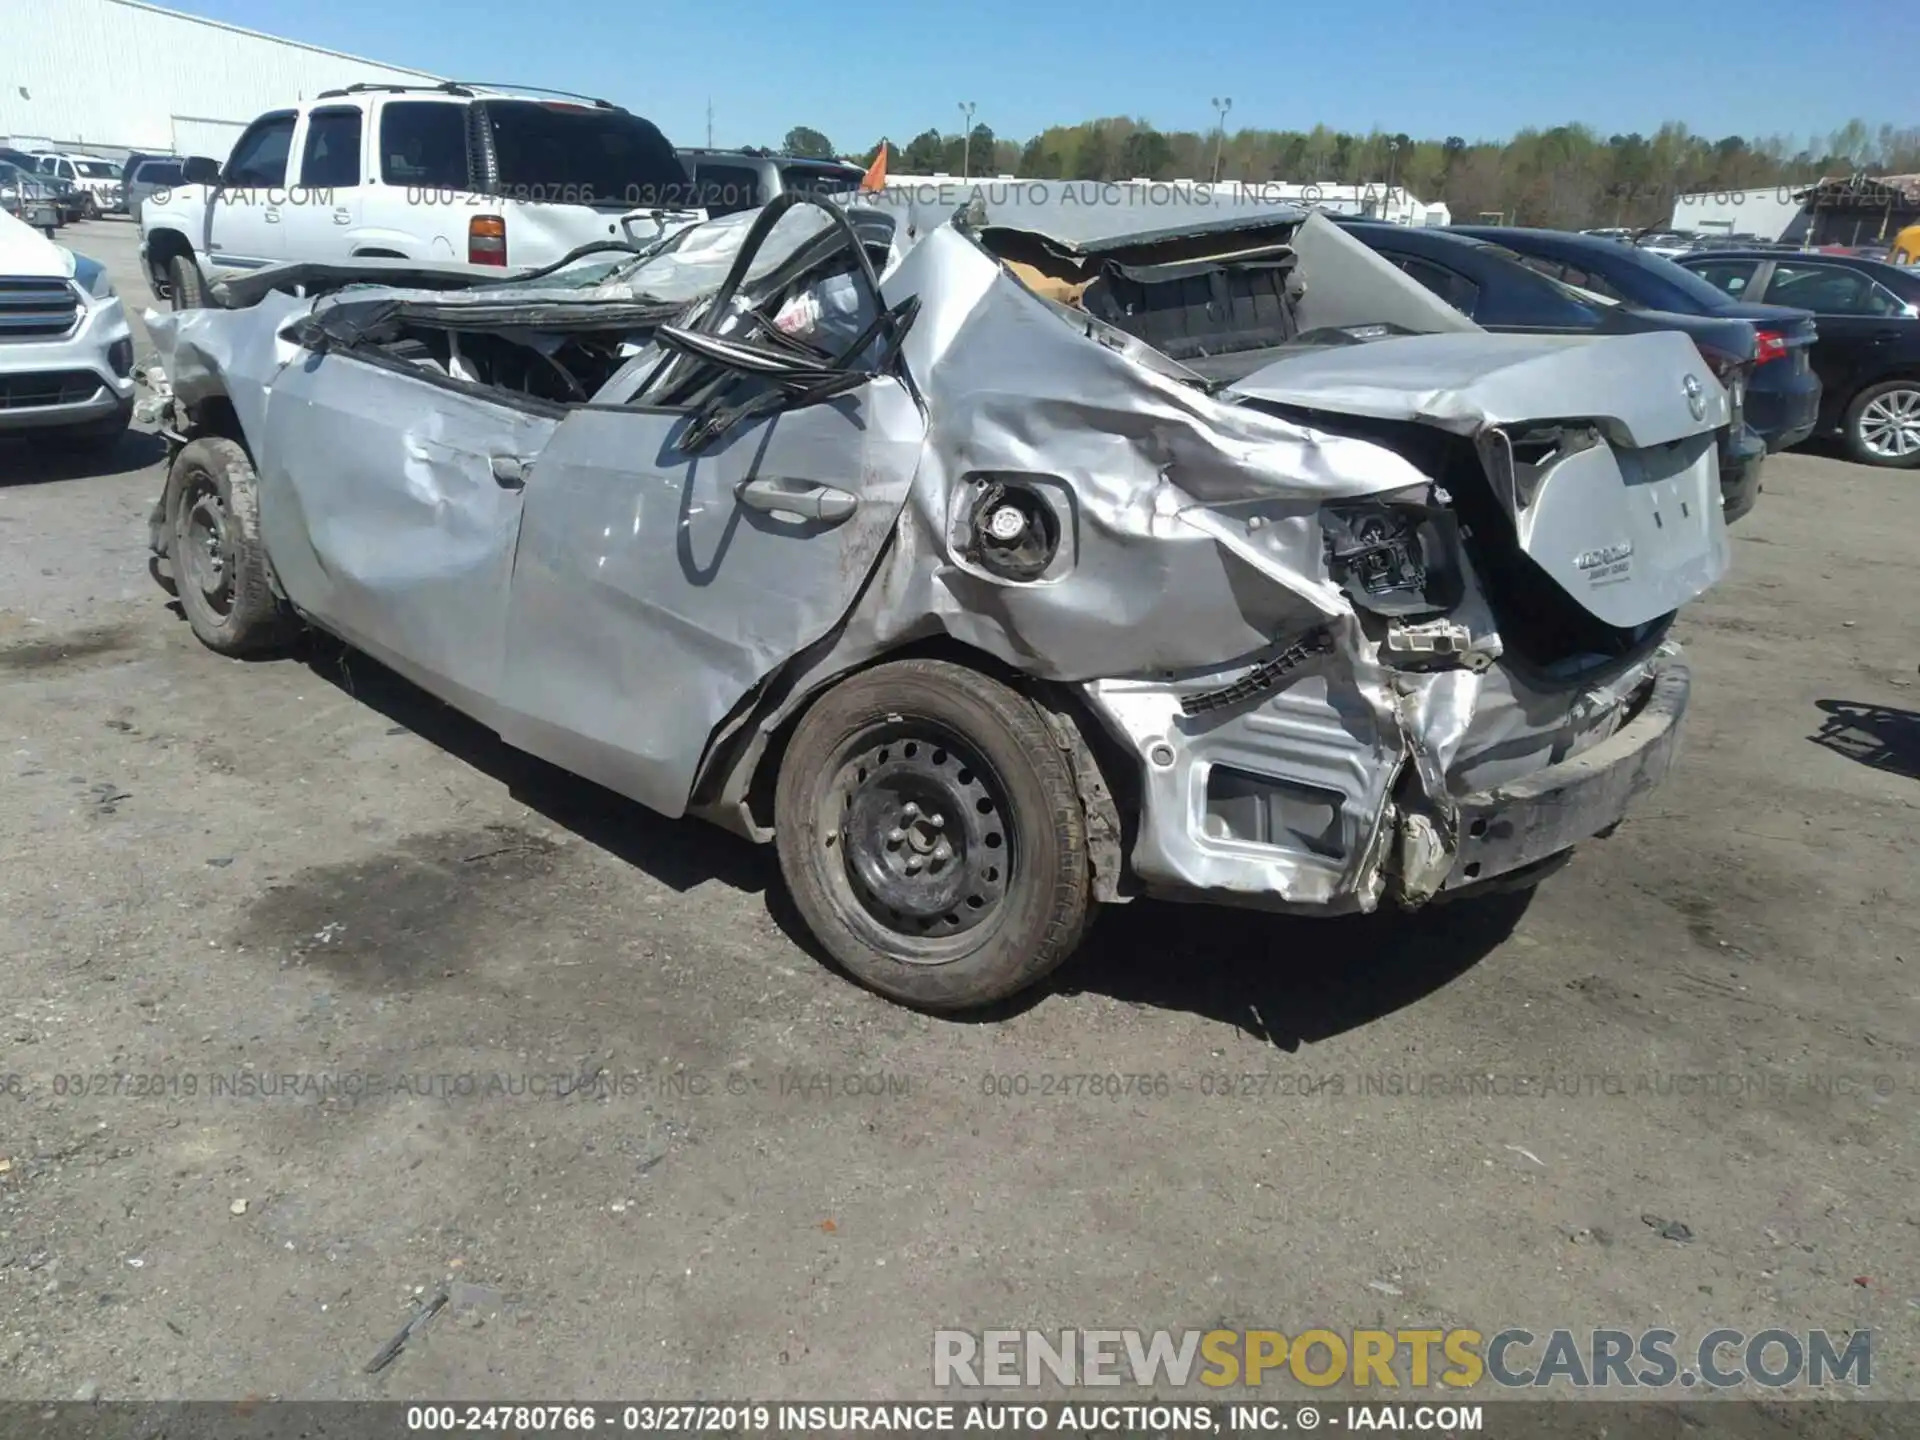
{"x": 222, "y": 352}
{"x": 1465, "y": 382}
{"x": 1162, "y": 481}
{"x": 1193, "y": 550}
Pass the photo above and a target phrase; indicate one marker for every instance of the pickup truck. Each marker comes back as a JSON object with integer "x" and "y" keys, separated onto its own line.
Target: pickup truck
{"x": 447, "y": 172}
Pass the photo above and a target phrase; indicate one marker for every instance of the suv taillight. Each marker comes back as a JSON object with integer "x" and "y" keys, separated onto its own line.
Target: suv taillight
{"x": 487, "y": 240}
{"x": 1773, "y": 346}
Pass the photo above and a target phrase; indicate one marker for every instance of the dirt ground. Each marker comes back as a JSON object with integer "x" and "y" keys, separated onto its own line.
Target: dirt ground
{"x": 301, "y": 976}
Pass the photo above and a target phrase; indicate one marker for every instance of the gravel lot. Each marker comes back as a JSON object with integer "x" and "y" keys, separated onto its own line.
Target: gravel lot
{"x": 313, "y": 950}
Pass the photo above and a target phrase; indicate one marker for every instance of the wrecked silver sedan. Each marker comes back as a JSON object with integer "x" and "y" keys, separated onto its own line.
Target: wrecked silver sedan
{"x": 987, "y": 573}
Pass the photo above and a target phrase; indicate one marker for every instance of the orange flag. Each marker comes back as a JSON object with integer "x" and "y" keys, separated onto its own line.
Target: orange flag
{"x": 876, "y": 177}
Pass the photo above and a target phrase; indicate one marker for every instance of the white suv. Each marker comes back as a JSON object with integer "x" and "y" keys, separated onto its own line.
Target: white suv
{"x": 102, "y": 190}
{"x": 66, "y": 350}
{"x": 450, "y": 173}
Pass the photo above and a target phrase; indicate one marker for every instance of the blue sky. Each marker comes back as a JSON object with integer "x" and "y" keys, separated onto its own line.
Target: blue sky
{"x": 859, "y": 68}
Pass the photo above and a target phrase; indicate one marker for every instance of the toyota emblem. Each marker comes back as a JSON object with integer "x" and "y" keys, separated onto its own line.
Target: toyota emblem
{"x": 1696, "y": 397}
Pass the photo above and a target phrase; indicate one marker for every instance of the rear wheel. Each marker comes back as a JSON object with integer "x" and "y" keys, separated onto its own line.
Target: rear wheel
{"x": 186, "y": 290}
{"x": 1883, "y": 425}
{"x": 219, "y": 563}
{"x": 931, "y": 834}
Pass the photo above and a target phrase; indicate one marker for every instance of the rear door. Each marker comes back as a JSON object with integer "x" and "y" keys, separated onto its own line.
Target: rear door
{"x": 390, "y": 503}
{"x": 423, "y": 205}
{"x": 1863, "y": 325}
{"x": 324, "y": 205}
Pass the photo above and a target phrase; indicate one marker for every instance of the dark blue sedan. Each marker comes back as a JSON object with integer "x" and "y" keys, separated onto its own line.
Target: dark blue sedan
{"x": 1783, "y": 393}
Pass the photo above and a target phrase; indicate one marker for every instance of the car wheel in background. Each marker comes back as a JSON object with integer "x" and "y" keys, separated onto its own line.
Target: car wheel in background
{"x": 931, "y": 835}
{"x": 186, "y": 290}
{"x": 89, "y": 207}
{"x": 218, "y": 559}
{"x": 1883, "y": 425}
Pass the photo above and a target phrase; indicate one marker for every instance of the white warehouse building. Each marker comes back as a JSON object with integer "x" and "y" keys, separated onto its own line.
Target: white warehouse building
{"x": 109, "y": 77}
{"x": 1770, "y": 212}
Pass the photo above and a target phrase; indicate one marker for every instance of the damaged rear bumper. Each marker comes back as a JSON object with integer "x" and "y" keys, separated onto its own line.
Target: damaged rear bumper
{"x": 1283, "y": 810}
{"x": 1513, "y": 826}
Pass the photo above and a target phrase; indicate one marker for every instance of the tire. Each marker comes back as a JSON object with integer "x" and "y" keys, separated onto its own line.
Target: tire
{"x": 89, "y": 207}
{"x": 219, "y": 564}
{"x": 884, "y": 772}
{"x": 186, "y": 290}
{"x": 1883, "y": 425}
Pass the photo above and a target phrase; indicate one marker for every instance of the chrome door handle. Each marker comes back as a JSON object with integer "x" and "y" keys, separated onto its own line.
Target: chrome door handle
{"x": 510, "y": 471}
{"x": 797, "y": 497}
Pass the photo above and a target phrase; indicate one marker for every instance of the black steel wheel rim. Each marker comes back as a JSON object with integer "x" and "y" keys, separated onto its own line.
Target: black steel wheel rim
{"x": 208, "y": 557}
{"x": 925, "y": 834}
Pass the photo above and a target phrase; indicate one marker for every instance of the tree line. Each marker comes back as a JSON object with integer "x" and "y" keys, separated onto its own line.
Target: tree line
{"x": 1567, "y": 176}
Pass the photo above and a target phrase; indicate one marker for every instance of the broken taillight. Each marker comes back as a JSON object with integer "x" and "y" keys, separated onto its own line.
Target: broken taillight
{"x": 1394, "y": 559}
{"x": 487, "y": 240}
{"x": 1732, "y": 371}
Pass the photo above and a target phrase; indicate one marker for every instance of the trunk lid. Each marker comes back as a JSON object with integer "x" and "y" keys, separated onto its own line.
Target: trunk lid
{"x": 1734, "y": 339}
{"x": 1797, "y": 328}
{"x": 1600, "y": 452}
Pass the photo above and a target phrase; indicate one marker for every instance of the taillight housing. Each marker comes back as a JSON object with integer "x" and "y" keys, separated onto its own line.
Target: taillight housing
{"x": 487, "y": 240}
{"x": 1731, "y": 371}
{"x": 1394, "y": 560}
{"x": 1773, "y": 346}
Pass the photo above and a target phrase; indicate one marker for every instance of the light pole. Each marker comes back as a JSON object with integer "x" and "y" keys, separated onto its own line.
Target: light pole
{"x": 1393, "y": 164}
{"x": 1221, "y": 107}
{"x": 967, "y": 108}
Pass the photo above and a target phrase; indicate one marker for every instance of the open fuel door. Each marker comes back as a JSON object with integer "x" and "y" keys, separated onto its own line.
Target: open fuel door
{"x": 675, "y": 550}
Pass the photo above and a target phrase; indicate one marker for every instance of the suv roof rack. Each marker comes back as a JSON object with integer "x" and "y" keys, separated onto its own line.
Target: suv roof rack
{"x": 457, "y": 87}
{"x": 370, "y": 87}
{"x": 762, "y": 152}
{"x": 543, "y": 90}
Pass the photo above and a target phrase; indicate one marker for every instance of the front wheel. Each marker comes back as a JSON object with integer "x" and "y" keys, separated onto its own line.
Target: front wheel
{"x": 1883, "y": 425}
{"x": 185, "y": 288}
{"x": 930, "y": 832}
{"x": 219, "y": 561}
{"x": 89, "y": 208}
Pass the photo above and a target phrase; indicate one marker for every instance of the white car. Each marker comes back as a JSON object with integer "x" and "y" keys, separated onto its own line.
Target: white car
{"x": 66, "y": 349}
{"x": 102, "y": 190}
{"x": 442, "y": 173}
